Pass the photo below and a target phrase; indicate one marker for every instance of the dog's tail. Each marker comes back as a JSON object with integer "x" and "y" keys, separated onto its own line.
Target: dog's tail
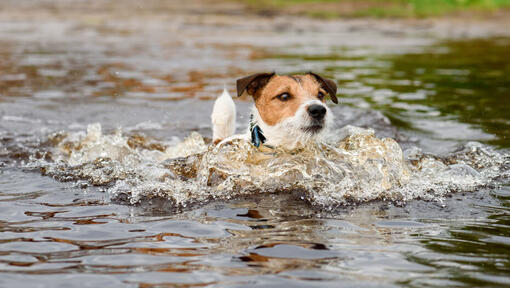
{"x": 223, "y": 117}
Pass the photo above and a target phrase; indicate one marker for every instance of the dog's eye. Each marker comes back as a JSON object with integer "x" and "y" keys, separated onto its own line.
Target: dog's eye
{"x": 283, "y": 97}
{"x": 320, "y": 95}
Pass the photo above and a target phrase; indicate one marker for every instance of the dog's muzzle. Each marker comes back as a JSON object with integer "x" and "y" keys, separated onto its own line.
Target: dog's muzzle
{"x": 317, "y": 112}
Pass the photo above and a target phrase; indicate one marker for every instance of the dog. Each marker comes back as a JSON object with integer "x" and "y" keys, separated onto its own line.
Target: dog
{"x": 289, "y": 110}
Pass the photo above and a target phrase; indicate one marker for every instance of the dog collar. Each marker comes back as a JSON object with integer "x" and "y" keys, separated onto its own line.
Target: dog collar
{"x": 257, "y": 136}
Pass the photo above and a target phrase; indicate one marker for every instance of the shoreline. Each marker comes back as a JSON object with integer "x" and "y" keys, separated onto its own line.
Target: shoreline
{"x": 236, "y": 16}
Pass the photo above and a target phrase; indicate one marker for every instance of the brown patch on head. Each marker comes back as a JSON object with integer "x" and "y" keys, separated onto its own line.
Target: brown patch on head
{"x": 267, "y": 88}
{"x": 300, "y": 88}
{"x": 252, "y": 83}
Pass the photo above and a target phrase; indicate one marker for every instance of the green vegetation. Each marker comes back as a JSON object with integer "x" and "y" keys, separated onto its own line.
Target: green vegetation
{"x": 376, "y": 8}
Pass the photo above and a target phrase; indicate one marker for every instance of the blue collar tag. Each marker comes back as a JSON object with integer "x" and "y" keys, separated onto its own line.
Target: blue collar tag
{"x": 256, "y": 136}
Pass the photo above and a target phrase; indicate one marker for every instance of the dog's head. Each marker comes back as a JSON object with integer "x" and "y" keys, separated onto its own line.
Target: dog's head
{"x": 290, "y": 105}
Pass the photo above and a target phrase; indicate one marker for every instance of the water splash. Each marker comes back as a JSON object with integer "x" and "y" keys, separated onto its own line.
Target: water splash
{"x": 352, "y": 167}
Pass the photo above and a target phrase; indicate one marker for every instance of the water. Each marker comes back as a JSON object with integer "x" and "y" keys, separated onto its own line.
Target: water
{"x": 353, "y": 167}
{"x": 95, "y": 112}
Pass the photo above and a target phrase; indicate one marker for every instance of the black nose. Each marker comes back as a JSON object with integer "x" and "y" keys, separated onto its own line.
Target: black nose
{"x": 316, "y": 111}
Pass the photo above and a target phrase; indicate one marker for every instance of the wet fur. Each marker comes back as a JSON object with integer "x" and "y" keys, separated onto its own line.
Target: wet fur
{"x": 283, "y": 123}
{"x": 295, "y": 130}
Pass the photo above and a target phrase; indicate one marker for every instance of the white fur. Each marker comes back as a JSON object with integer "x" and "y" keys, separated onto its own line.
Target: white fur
{"x": 223, "y": 117}
{"x": 289, "y": 133}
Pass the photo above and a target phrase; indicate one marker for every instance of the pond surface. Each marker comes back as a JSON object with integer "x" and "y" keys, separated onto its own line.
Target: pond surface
{"x": 155, "y": 77}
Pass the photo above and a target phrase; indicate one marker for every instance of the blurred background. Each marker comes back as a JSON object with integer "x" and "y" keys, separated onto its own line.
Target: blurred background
{"x": 434, "y": 74}
{"x": 422, "y": 63}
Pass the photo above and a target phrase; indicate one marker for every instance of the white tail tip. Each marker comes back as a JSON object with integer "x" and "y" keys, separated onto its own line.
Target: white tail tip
{"x": 223, "y": 117}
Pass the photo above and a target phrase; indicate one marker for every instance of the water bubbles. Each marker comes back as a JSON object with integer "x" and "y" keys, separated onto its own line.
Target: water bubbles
{"x": 462, "y": 170}
{"x": 353, "y": 166}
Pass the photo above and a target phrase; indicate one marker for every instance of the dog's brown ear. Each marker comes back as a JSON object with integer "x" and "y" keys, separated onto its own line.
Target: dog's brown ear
{"x": 328, "y": 85}
{"x": 252, "y": 83}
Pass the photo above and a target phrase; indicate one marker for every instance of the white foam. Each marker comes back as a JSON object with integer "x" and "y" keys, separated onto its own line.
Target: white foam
{"x": 357, "y": 167}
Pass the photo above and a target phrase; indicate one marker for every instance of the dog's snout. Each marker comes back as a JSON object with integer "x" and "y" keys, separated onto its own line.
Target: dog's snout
{"x": 316, "y": 111}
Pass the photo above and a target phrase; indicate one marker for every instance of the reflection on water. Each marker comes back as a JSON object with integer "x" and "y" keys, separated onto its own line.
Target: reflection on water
{"x": 147, "y": 80}
{"x": 434, "y": 89}
{"x": 471, "y": 87}
{"x": 55, "y": 231}
{"x": 470, "y": 253}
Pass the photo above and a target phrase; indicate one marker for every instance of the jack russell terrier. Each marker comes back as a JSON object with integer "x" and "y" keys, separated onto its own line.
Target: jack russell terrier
{"x": 289, "y": 110}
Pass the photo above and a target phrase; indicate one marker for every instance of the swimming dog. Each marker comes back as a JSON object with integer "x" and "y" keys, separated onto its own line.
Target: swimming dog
{"x": 289, "y": 110}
